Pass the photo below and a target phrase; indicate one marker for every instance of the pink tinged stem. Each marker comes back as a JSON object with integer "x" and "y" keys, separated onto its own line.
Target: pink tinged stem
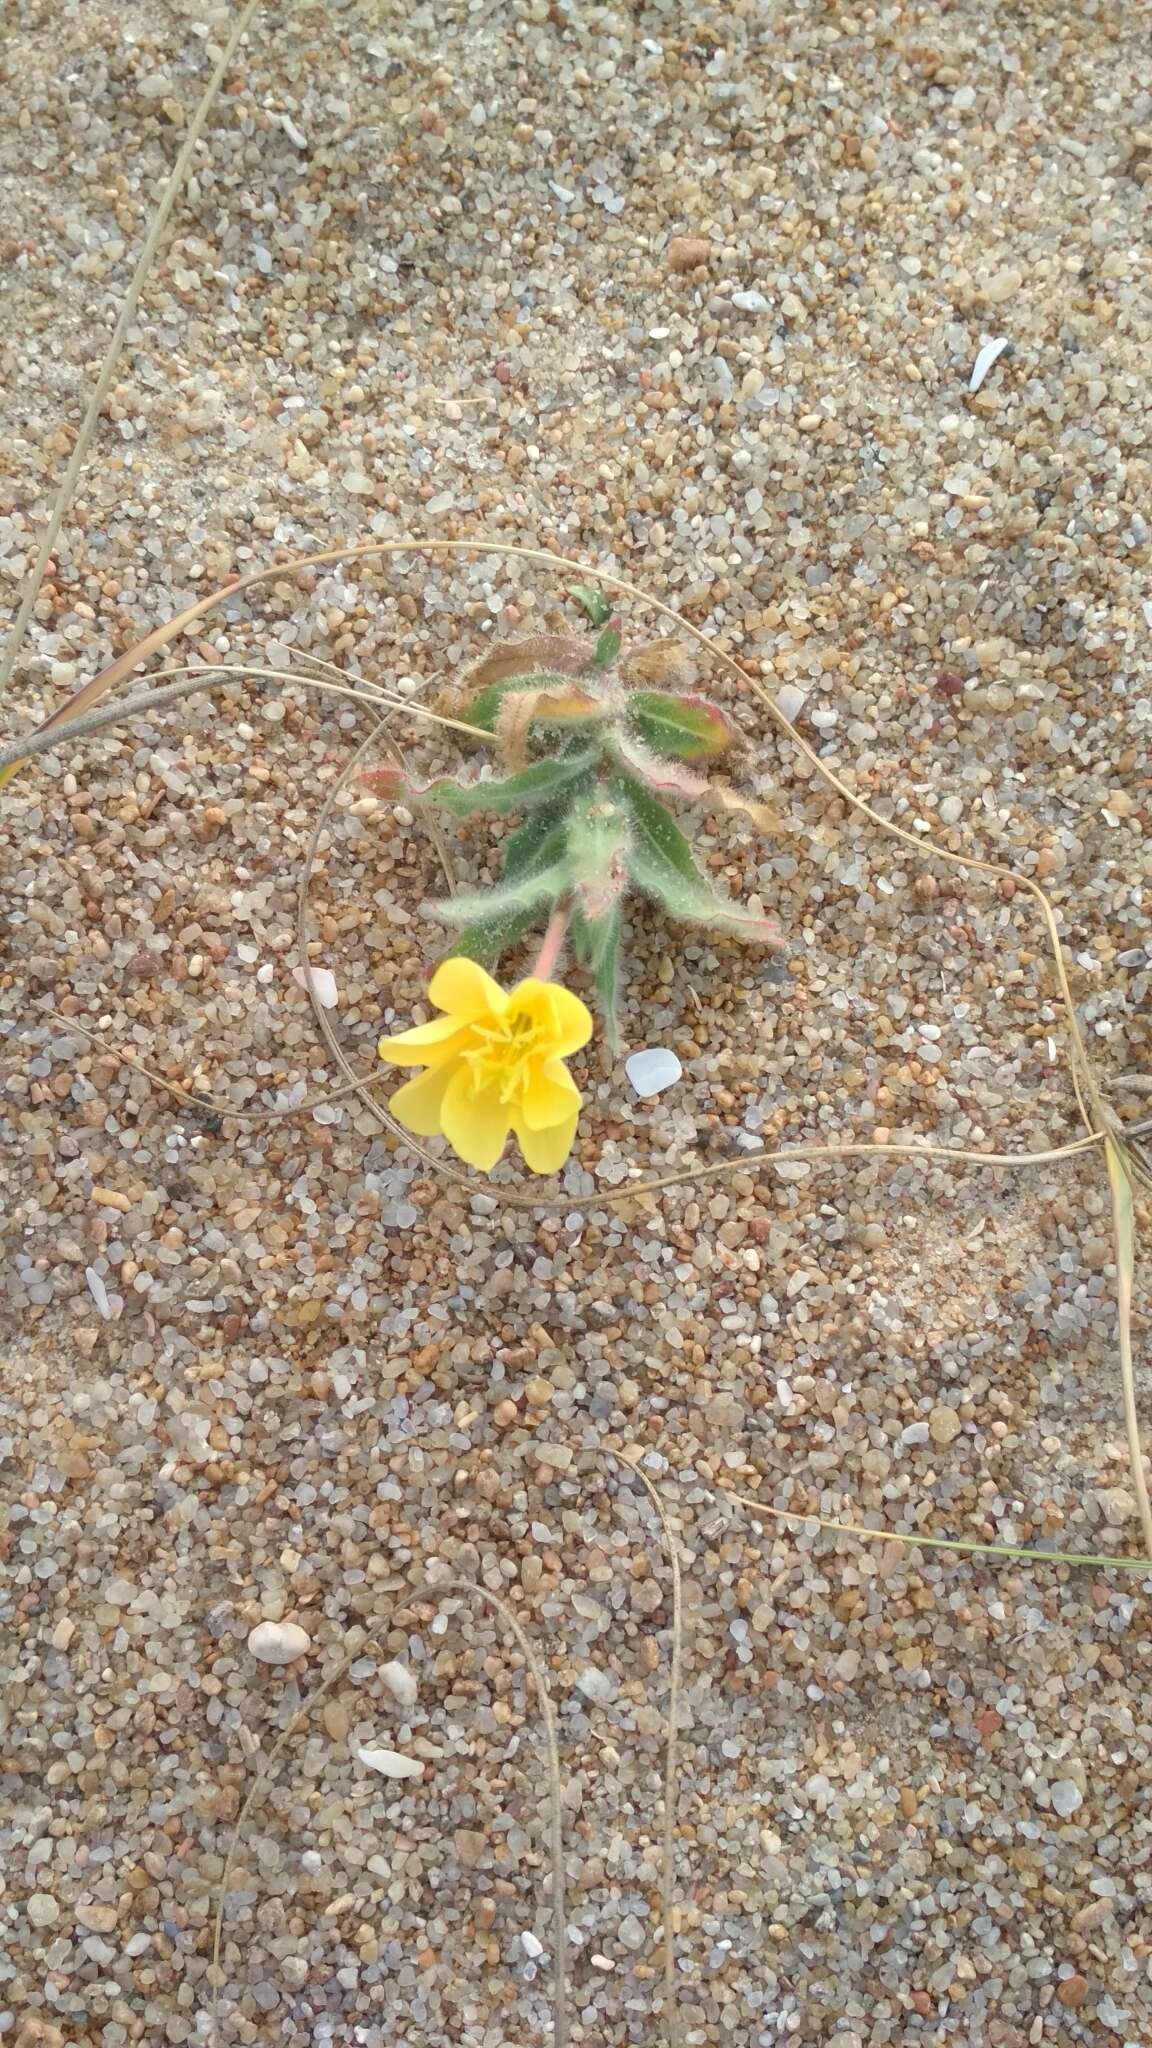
{"x": 553, "y": 940}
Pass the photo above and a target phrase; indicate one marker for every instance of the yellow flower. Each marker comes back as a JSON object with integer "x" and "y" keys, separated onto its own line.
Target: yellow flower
{"x": 494, "y": 1063}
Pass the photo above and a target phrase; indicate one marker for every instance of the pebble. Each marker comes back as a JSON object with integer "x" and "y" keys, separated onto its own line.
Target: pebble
{"x": 1003, "y": 284}
{"x": 597, "y": 1685}
{"x": 96, "y": 1918}
{"x": 321, "y": 981}
{"x": 278, "y": 1642}
{"x": 632, "y": 1933}
{"x": 401, "y": 1683}
{"x": 390, "y": 1763}
{"x": 654, "y": 1070}
{"x": 944, "y": 1426}
{"x": 42, "y": 1910}
{"x": 791, "y": 700}
{"x": 687, "y": 252}
{"x": 1067, "y": 1797}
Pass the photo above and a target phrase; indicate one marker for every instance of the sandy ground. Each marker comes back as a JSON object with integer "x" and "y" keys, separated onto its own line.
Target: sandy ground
{"x": 425, "y": 281}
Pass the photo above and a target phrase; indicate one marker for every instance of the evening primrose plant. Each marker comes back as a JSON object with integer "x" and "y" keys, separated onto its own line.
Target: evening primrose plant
{"x": 588, "y": 756}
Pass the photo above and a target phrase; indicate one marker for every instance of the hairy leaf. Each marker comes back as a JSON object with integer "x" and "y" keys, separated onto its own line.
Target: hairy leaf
{"x": 539, "y": 783}
{"x": 660, "y": 662}
{"x": 599, "y": 833}
{"x": 535, "y": 844}
{"x": 558, "y": 653}
{"x": 571, "y": 705}
{"x": 489, "y": 937}
{"x": 594, "y": 602}
{"x": 561, "y": 706}
{"x": 671, "y": 778}
{"x": 607, "y": 647}
{"x": 538, "y": 885}
{"x": 686, "y": 728}
{"x": 596, "y": 943}
{"x": 660, "y": 862}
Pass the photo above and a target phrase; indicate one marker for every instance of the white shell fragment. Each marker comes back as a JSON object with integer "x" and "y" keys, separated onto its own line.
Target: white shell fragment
{"x": 99, "y": 1292}
{"x": 989, "y": 354}
{"x": 400, "y": 1682}
{"x": 323, "y": 983}
{"x": 278, "y": 1642}
{"x": 652, "y": 1071}
{"x": 390, "y": 1763}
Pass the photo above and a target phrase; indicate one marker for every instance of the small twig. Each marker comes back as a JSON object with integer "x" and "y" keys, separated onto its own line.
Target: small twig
{"x": 46, "y": 738}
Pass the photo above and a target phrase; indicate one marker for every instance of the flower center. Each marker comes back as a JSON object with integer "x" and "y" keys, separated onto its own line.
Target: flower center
{"x": 500, "y": 1061}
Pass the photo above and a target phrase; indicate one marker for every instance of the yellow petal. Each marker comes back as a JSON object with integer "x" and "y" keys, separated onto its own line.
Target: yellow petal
{"x": 475, "y": 1122}
{"x": 566, "y": 1020}
{"x": 463, "y": 989}
{"x": 417, "y": 1105}
{"x": 550, "y": 1096}
{"x": 546, "y": 1151}
{"x": 425, "y": 1045}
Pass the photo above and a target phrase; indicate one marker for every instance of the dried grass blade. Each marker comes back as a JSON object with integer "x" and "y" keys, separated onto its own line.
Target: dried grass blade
{"x": 1124, "y": 1232}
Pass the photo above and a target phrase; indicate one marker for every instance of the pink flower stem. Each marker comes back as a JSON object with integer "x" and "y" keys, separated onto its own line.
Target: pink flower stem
{"x": 553, "y": 941}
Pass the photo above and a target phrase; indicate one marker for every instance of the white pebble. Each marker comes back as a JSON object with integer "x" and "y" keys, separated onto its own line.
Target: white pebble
{"x": 631, "y": 1933}
{"x": 42, "y": 1910}
{"x": 951, "y": 810}
{"x": 1066, "y": 1797}
{"x": 652, "y": 1071}
{"x": 390, "y": 1763}
{"x": 531, "y": 1946}
{"x": 98, "y": 1291}
{"x": 323, "y": 984}
{"x": 278, "y": 1642}
{"x": 400, "y": 1682}
{"x": 750, "y": 302}
{"x": 790, "y": 700}
{"x": 988, "y": 355}
{"x": 597, "y": 1685}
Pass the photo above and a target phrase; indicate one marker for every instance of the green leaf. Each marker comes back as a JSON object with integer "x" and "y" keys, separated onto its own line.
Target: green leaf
{"x": 607, "y": 648}
{"x": 563, "y": 702}
{"x": 539, "y": 885}
{"x": 658, "y": 834}
{"x": 534, "y": 844}
{"x": 592, "y": 601}
{"x": 486, "y": 940}
{"x": 661, "y": 863}
{"x": 485, "y": 706}
{"x": 598, "y": 835}
{"x": 539, "y": 783}
{"x": 657, "y": 772}
{"x": 596, "y": 942}
{"x": 684, "y": 728}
